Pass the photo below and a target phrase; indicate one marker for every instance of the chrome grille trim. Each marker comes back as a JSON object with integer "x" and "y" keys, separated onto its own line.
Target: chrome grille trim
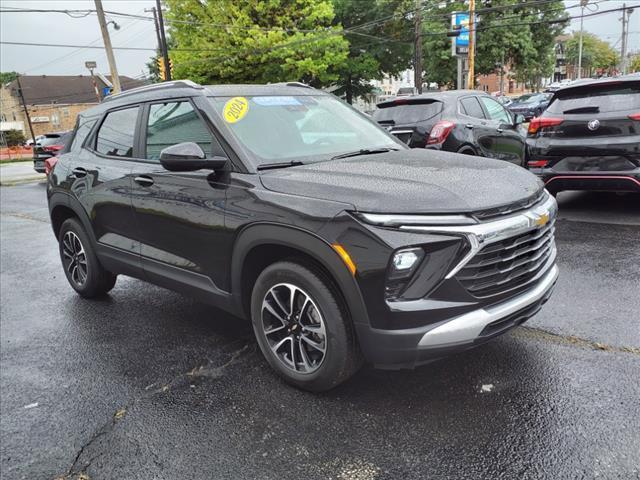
{"x": 539, "y": 217}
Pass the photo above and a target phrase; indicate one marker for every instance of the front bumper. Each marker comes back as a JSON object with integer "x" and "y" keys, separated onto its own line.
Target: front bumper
{"x": 450, "y": 318}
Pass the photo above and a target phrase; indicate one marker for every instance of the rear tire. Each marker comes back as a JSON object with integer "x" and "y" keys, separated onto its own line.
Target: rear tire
{"x": 311, "y": 344}
{"x": 81, "y": 266}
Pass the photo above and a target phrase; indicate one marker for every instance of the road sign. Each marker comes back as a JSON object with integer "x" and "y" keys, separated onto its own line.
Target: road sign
{"x": 460, "y": 44}
{"x": 90, "y": 65}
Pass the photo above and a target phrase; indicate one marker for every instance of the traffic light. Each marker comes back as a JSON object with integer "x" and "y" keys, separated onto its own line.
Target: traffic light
{"x": 162, "y": 71}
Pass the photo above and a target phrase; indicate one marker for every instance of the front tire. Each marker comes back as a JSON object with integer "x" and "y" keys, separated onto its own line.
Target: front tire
{"x": 302, "y": 326}
{"x": 81, "y": 266}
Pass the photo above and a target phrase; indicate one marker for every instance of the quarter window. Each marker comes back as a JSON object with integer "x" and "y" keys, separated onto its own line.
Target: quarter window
{"x": 116, "y": 134}
{"x": 472, "y": 107}
{"x": 495, "y": 110}
{"x": 176, "y": 122}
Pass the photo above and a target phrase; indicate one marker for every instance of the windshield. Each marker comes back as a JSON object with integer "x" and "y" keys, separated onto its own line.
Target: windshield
{"x": 602, "y": 98}
{"x": 532, "y": 98}
{"x": 303, "y": 128}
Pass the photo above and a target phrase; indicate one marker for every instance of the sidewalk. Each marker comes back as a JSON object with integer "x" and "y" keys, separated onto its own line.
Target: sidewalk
{"x": 19, "y": 172}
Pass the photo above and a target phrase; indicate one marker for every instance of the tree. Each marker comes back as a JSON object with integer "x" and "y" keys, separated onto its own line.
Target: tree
{"x": 439, "y": 65}
{"x": 227, "y": 41}
{"x": 378, "y": 49}
{"x": 524, "y": 35}
{"x": 6, "y": 77}
{"x": 596, "y": 54}
{"x": 14, "y": 138}
{"x": 634, "y": 64}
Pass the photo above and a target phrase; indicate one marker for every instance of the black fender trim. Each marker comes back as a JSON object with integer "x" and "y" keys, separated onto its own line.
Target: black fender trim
{"x": 302, "y": 240}
{"x": 58, "y": 199}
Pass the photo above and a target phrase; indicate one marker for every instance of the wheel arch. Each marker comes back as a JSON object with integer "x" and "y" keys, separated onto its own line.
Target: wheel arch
{"x": 63, "y": 207}
{"x": 258, "y": 246}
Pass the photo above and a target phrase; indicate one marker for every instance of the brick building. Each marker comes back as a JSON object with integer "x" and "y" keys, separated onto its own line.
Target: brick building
{"x": 53, "y": 101}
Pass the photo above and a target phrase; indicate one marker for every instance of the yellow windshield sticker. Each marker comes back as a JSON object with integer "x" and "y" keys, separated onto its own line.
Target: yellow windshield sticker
{"x": 235, "y": 109}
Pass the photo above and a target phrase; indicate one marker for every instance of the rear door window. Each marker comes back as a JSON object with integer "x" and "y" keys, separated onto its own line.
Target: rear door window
{"x": 116, "y": 135}
{"x": 471, "y": 107}
{"x": 597, "y": 98}
{"x": 407, "y": 113}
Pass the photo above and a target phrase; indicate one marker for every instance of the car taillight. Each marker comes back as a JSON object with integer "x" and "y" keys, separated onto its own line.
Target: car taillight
{"x": 635, "y": 116}
{"x": 52, "y": 148}
{"x": 539, "y": 123}
{"x": 440, "y": 131}
{"x": 537, "y": 163}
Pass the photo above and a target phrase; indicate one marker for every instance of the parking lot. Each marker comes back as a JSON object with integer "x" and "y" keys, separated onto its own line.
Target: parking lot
{"x": 146, "y": 383}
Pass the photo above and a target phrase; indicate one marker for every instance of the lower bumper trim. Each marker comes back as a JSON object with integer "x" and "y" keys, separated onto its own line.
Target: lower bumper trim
{"x": 466, "y": 328}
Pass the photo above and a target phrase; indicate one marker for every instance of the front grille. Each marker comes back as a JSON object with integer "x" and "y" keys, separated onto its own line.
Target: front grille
{"x": 511, "y": 207}
{"x": 508, "y": 264}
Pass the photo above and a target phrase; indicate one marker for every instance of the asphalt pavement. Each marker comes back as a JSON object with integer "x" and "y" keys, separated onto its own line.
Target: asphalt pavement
{"x": 148, "y": 384}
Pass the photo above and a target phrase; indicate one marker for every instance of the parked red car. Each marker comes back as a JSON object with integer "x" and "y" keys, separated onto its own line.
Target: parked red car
{"x": 47, "y": 149}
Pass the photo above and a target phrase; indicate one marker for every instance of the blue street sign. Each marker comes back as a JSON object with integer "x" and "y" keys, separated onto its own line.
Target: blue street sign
{"x": 462, "y": 19}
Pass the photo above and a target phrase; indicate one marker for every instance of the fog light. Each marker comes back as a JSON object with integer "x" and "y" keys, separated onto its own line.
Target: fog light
{"x": 404, "y": 262}
{"x": 405, "y": 259}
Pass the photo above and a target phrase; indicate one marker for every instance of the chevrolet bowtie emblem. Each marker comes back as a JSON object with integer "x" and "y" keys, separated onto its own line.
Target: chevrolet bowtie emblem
{"x": 542, "y": 220}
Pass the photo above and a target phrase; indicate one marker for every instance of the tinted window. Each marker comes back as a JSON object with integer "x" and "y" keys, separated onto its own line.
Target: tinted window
{"x": 176, "y": 122}
{"x": 495, "y": 110}
{"x": 83, "y": 129}
{"x": 407, "y": 113}
{"x": 472, "y": 107}
{"x": 116, "y": 133}
{"x": 49, "y": 139}
{"x": 605, "y": 98}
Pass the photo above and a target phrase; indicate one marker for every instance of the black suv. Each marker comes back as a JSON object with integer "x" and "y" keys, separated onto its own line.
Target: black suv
{"x": 463, "y": 121}
{"x": 589, "y": 137}
{"x": 282, "y": 204}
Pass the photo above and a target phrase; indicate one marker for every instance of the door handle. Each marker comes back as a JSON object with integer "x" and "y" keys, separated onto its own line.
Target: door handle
{"x": 144, "y": 181}
{"x": 79, "y": 172}
{"x": 469, "y": 126}
{"x": 499, "y": 130}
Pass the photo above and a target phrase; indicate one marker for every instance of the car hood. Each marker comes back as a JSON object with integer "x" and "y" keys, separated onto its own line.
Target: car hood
{"x": 409, "y": 181}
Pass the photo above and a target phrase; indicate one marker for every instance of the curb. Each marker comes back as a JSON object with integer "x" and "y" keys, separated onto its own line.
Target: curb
{"x": 22, "y": 181}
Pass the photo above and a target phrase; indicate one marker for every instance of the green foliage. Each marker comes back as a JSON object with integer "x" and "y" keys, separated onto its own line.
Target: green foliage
{"x": 6, "y": 77}
{"x": 524, "y": 35}
{"x": 596, "y": 53}
{"x": 374, "y": 51}
{"x": 634, "y": 64}
{"x": 14, "y": 138}
{"x": 255, "y": 41}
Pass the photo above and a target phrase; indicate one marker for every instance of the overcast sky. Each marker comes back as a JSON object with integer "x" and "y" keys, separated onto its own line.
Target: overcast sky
{"x": 61, "y": 29}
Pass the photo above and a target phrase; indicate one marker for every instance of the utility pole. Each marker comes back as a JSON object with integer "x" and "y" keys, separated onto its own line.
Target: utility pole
{"x": 165, "y": 53}
{"x": 626, "y": 13}
{"x": 417, "y": 61}
{"x": 115, "y": 79}
{"x": 583, "y": 3}
{"x": 26, "y": 110}
{"x": 502, "y": 75}
{"x": 472, "y": 45}
{"x": 155, "y": 24}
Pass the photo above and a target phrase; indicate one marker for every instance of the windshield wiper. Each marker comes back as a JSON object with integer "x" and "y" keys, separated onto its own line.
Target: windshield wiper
{"x": 365, "y": 151}
{"x": 583, "y": 110}
{"x": 269, "y": 166}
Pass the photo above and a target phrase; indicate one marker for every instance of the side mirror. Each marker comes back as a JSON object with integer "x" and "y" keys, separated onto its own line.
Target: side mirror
{"x": 518, "y": 120}
{"x": 187, "y": 157}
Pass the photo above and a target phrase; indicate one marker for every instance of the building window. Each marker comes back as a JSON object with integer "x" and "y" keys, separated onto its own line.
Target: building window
{"x": 65, "y": 112}
{"x": 55, "y": 119}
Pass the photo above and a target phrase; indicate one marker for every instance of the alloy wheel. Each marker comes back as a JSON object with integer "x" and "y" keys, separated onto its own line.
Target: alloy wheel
{"x": 74, "y": 258}
{"x": 294, "y": 328}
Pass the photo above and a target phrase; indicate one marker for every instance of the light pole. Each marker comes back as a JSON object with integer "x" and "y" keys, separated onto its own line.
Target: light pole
{"x": 583, "y": 3}
{"x": 115, "y": 79}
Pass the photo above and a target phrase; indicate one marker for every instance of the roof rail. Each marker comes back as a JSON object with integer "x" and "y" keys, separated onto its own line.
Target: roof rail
{"x": 293, "y": 84}
{"x": 156, "y": 86}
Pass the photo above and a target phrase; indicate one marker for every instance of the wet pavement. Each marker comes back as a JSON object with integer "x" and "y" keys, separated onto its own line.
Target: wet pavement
{"x": 146, "y": 383}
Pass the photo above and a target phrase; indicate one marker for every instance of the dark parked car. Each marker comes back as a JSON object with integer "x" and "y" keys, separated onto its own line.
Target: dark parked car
{"x": 283, "y": 205}
{"x": 464, "y": 121}
{"x": 530, "y": 105}
{"x": 48, "y": 147}
{"x": 589, "y": 137}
